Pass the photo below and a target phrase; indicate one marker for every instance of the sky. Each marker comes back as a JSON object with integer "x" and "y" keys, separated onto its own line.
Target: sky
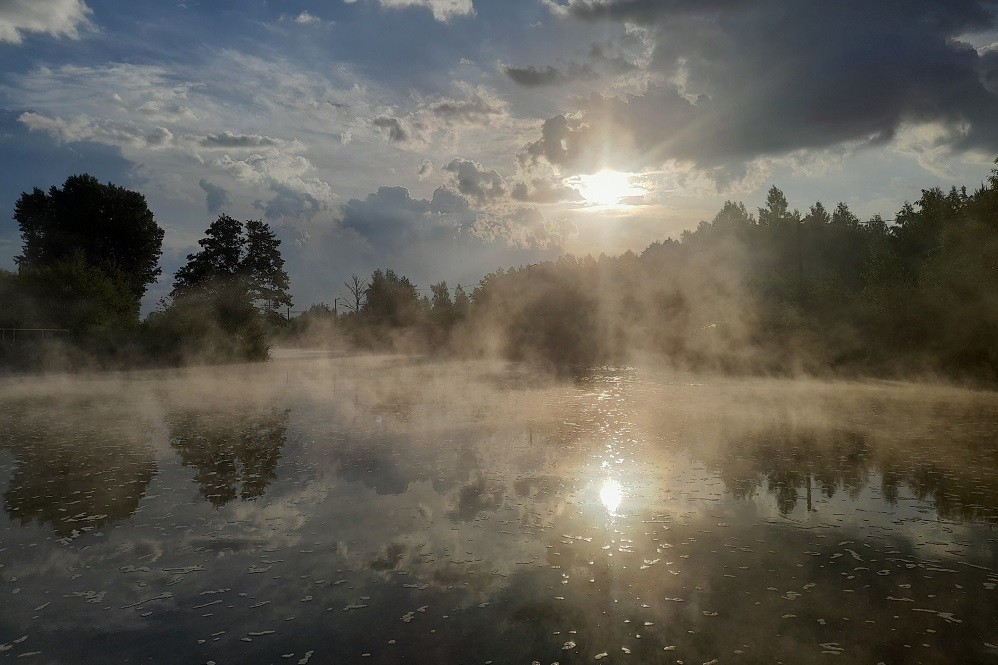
{"x": 448, "y": 138}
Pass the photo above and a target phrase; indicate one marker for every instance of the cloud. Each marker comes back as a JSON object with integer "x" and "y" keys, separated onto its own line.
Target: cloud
{"x": 307, "y": 19}
{"x": 475, "y": 107}
{"x": 392, "y": 220}
{"x": 734, "y": 81}
{"x": 216, "y": 197}
{"x": 389, "y": 217}
{"x": 289, "y": 203}
{"x": 443, "y": 10}
{"x": 228, "y": 139}
{"x": 544, "y": 190}
{"x": 392, "y": 128}
{"x": 476, "y": 182}
{"x": 533, "y": 77}
{"x": 425, "y": 169}
{"x": 599, "y": 64}
{"x": 285, "y": 173}
{"x": 83, "y": 128}
{"x": 525, "y": 227}
{"x": 57, "y": 18}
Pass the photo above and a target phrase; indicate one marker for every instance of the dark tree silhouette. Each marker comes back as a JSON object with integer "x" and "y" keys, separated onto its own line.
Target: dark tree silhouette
{"x": 356, "y": 288}
{"x": 105, "y": 227}
{"x": 391, "y": 299}
{"x": 224, "y": 296}
{"x": 220, "y": 257}
{"x": 233, "y": 253}
{"x": 264, "y": 266}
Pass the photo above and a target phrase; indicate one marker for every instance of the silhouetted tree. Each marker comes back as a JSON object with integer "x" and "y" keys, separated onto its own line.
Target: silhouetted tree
{"x": 220, "y": 258}
{"x": 264, "y": 266}
{"x": 461, "y": 302}
{"x": 222, "y": 296}
{"x": 356, "y": 287}
{"x": 103, "y": 227}
{"x": 231, "y": 252}
{"x": 390, "y": 299}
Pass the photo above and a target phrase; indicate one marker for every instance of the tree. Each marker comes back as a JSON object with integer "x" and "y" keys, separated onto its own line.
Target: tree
{"x": 391, "y": 299}
{"x": 264, "y": 266}
{"x": 106, "y": 227}
{"x": 230, "y": 254}
{"x": 777, "y": 210}
{"x": 356, "y": 287}
{"x": 441, "y": 297}
{"x": 461, "y": 301}
{"x": 220, "y": 257}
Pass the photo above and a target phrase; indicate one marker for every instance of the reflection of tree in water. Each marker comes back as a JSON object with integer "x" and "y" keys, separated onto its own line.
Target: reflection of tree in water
{"x": 235, "y": 454}
{"x": 78, "y": 466}
{"x": 966, "y": 491}
{"x": 792, "y": 463}
{"x": 957, "y": 472}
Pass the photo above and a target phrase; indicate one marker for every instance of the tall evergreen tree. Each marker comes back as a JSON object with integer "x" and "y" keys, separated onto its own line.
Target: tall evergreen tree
{"x": 232, "y": 253}
{"x": 220, "y": 258}
{"x": 263, "y": 265}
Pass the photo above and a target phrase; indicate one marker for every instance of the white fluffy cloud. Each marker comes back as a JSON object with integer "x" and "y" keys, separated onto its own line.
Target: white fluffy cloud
{"x": 58, "y": 18}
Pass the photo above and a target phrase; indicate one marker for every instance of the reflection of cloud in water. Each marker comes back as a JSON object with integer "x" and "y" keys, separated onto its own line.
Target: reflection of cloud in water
{"x": 481, "y": 495}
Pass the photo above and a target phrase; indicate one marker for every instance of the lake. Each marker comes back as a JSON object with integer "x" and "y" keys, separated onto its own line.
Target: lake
{"x": 316, "y": 509}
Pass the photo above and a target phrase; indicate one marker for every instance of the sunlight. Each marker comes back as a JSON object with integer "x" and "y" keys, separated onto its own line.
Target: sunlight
{"x": 611, "y": 494}
{"x": 606, "y": 188}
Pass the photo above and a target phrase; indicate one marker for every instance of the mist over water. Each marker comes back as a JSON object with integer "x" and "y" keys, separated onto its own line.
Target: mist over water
{"x": 395, "y": 509}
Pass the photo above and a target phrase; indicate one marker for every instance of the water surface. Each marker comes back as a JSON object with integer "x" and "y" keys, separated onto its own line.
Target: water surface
{"x": 384, "y": 510}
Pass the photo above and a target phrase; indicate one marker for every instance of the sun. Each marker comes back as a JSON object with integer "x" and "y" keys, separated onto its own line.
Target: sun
{"x": 611, "y": 494}
{"x": 606, "y": 188}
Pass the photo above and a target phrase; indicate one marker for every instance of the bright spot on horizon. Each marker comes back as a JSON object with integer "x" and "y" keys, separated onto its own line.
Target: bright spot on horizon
{"x": 605, "y": 188}
{"x": 611, "y": 494}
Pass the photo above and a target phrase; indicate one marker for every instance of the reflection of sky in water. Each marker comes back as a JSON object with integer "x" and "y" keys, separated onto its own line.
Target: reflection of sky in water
{"x": 386, "y": 511}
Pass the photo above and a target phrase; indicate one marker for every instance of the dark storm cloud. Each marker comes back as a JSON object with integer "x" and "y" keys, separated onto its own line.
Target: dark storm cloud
{"x": 216, "y": 196}
{"x": 743, "y": 80}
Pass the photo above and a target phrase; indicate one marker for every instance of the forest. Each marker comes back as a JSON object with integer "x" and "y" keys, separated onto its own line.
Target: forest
{"x": 775, "y": 291}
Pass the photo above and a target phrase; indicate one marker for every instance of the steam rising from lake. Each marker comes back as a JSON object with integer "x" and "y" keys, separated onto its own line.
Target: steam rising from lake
{"x": 396, "y": 509}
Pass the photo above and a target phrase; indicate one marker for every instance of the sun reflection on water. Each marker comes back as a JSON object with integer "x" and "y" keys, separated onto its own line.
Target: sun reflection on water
{"x": 611, "y": 494}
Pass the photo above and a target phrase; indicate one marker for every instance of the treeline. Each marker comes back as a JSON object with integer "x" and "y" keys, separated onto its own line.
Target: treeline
{"x": 775, "y": 291}
{"x": 89, "y": 253}
{"x": 779, "y": 291}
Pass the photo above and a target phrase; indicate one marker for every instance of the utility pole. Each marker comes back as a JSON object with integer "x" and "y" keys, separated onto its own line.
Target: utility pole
{"x": 335, "y": 300}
